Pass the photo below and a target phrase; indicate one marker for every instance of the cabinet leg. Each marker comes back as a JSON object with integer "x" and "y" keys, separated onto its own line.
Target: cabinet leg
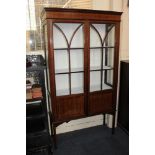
{"x": 103, "y": 119}
{"x": 54, "y": 137}
{"x": 113, "y": 124}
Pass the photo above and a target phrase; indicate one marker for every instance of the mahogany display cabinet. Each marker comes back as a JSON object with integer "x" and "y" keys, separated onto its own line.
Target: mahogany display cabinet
{"x": 82, "y": 52}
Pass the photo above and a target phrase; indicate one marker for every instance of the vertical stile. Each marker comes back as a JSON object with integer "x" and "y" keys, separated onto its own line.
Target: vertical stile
{"x": 106, "y": 55}
{"x": 86, "y": 64}
{"x": 51, "y": 66}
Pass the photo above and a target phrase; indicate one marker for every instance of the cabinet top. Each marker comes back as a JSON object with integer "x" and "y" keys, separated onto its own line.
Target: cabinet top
{"x": 82, "y": 14}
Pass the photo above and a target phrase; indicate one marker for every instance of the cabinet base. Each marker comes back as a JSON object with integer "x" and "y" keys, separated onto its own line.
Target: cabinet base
{"x": 56, "y": 124}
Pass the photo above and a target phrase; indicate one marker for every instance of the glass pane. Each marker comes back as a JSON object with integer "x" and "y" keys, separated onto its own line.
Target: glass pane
{"x": 101, "y": 29}
{"x": 63, "y": 32}
{"x": 102, "y": 33}
{"x": 77, "y": 83}
{"x": 61, "y": 61}
{"x": 108, "y": 58}
{"x": 110, "y": 77}
{"x": 95, "y": 59}
{"x": 58, "y": 38}
{"x": 97, "y": 33}
{"x": 105, "y": 84}
{"x": 110, "y": 39}
{"x": 78, "y": 39}
{"x": 62, "y": 84}
{"x": 95, "y": 81}
{"x": 77, "y": 61}
{"x": 110, "y": 55}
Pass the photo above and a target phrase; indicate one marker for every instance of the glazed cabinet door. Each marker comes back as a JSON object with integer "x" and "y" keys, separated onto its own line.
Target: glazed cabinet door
{"x": 101, "y": 67}
{"x": 68, "y": 48}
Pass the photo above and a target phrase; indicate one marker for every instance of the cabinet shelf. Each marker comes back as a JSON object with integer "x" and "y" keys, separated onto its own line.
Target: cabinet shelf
{"x": 72, "y": 48}
{"x": 102, "y": 47}
{"x": 79, "y": 70}
{"x": 80, "y": 90}
{"x": 98, "y": 87}
{"x": 66, "y": 71}
{"x": 79, "y": 48}
{"x": 98, "y": 68}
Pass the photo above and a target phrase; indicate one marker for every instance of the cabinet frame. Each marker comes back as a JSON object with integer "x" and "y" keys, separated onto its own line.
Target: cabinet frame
{"x": 87, "y": 17}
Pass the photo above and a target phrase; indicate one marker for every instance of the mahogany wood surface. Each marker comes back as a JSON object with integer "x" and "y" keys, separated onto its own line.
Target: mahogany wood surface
{"x": 100, "y": 102}
{"x": 70, "y": 106}
{"x": 80, "y": 14}
{"x": 89, "y": 103}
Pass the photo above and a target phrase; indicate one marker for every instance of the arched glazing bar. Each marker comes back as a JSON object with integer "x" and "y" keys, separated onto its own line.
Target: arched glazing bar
{"x": 107, "y": 32}
{"x": 74, "y": 34}
{"x": 93, "y": 27}
{"x": 62, "y": 34}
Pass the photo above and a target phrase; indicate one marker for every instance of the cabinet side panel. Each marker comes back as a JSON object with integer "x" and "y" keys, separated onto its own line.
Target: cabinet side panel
{"x": 70, "y": 106}
{"x": 100, "y": 102}
{"x": 51, "y": 67}
{"x": 116, "y": 61}
{"x": 123, "y": 109}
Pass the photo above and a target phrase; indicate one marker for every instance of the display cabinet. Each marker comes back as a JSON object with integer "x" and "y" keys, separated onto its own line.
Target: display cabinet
{"x": 82, "y": 48}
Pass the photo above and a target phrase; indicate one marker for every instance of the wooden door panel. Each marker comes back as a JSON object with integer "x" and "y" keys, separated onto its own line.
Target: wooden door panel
{"x": 70, "y": 106}
{"x": 100, "y": 102}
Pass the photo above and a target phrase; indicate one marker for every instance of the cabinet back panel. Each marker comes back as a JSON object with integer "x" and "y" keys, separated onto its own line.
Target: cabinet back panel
{"x": 99, "y": 102}
{"x": 70, "y": 106}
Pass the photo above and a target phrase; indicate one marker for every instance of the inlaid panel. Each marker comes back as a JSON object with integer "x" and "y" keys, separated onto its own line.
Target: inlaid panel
{"x": 99, "y": 102}
{"x": 70, "y": 106}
